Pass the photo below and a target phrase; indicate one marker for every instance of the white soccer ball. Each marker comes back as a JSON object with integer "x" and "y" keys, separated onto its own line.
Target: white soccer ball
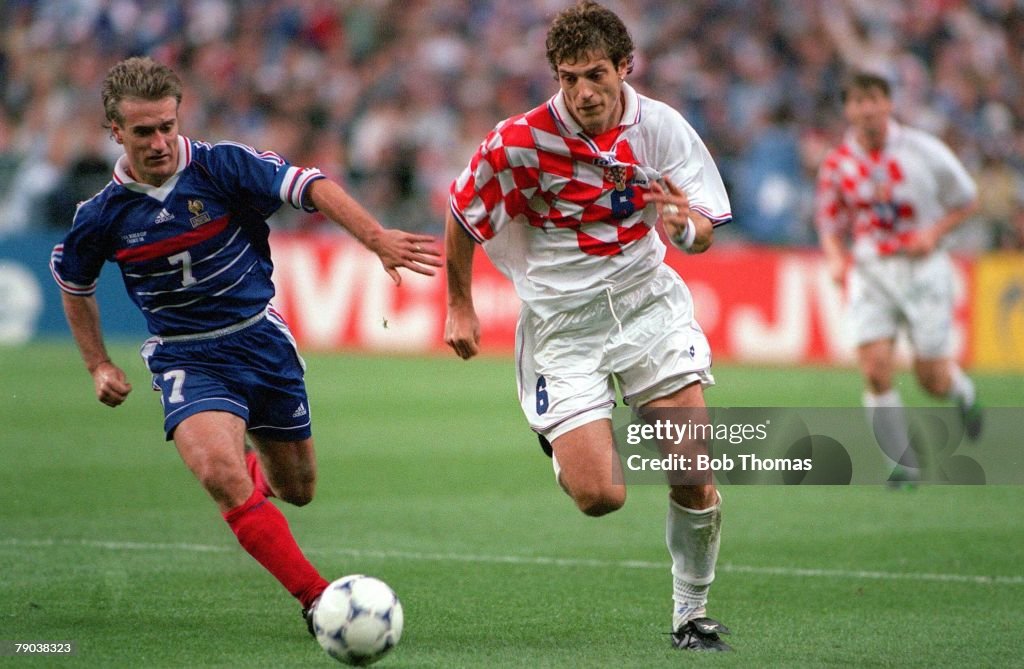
{"x": 358, "y": 619}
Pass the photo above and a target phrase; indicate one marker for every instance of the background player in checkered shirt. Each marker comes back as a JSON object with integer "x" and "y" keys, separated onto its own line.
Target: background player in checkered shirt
{"x": 564, "y": 200}
{"x": 185, "y": 221}
{"x": 898, "y": 192}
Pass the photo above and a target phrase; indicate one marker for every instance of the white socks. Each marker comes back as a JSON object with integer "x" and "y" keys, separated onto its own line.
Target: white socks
{"x": 961, "y": 388}
{"x": 693, "y": 538}
{"x": 889, "y": 425}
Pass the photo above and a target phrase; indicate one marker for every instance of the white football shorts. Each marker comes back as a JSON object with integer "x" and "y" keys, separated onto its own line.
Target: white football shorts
{"x": 889, "y": 293}
{"x": 645, "y": 337}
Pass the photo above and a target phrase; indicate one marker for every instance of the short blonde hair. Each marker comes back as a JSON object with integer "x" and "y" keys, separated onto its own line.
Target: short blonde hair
{"x": 138, "y": 77}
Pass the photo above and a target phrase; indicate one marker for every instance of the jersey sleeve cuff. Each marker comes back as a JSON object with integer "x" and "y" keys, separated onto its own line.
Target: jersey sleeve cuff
{"x": 69, "y": 287}
{"x": 293, "y": 186}
{"x": 469, "y": 229}
{"x": 716, "y": 219}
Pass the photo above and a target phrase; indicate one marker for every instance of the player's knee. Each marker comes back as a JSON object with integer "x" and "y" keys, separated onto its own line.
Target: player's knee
{"x": 600, "y": 500}
{"x": 227, "y": 489}
{"x": 878, "y": 383}
{"x": 934, "y": 383}
{"x": 297, "y": 493}
{"x": 296, "y": 500}
{"x": 877, "y": 376}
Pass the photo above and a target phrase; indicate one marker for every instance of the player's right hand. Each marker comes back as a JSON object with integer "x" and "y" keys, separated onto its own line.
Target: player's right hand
{"x": 839, "y": 271}
{"x": 462, "y": 332}
{"x": 111, "y": 384}
{"x": 397, "y": 248}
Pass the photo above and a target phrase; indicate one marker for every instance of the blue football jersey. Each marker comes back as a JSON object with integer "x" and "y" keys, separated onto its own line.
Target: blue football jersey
{"x": 194, "y": 252}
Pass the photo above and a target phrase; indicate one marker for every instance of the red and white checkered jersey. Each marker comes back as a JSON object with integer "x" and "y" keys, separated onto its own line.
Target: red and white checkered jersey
{"x": 884, "y": 197}
{"x": 562, "y": 214}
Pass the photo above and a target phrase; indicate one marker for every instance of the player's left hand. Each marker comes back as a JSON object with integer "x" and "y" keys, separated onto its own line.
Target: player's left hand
{"x": 921, "y": 243}
{"x": 398, "y": 248}
{"x": 462, "y": 330}
{"x": 674, "y": 211}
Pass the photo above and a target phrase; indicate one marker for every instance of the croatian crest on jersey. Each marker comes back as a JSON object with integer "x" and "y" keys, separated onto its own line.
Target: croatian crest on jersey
{"x": 617, "y": 174}
{"x": 196, "y": 207}
{"x": 883, "y": 201}
{"x": 616, "y": 169}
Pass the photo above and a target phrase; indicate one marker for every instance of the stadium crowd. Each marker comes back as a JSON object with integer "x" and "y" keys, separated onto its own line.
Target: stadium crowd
{"x": 389, "y": 96}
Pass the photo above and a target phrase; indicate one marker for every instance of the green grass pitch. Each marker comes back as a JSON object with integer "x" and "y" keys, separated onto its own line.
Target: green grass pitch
{"x": 430, "y": 480}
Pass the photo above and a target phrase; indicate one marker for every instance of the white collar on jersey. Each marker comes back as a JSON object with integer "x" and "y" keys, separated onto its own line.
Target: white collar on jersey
{"x": 630, "y": 114}
{"x": 892, "y": 135}
{"x": 160, "y": 192}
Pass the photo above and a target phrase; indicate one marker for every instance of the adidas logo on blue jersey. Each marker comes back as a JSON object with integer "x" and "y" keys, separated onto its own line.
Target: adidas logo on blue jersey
{"x": 163, "y": 217}
{"x": 300, "y": 412}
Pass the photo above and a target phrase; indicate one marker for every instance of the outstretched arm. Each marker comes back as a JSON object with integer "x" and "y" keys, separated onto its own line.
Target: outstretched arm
{"x": 836, "y": 256}
{"x": 395, "y": 248}
{"x": 108, "y": 379}
{"x": 462, "y": 327}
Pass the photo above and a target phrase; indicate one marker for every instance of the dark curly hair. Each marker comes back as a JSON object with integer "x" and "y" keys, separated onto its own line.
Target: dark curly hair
{"x": 861, "y": 80}
{"x": 585, "y": 29}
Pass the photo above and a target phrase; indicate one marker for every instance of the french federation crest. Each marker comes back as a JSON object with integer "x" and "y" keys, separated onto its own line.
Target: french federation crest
{"x": 199, "y": 217}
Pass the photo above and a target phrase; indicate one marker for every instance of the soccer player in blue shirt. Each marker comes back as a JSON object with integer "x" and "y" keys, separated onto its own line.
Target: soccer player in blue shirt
{"x": 185, "y": 221}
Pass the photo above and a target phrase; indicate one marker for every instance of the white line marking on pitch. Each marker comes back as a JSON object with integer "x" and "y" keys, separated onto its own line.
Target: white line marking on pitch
{"x": 527, "y": 560}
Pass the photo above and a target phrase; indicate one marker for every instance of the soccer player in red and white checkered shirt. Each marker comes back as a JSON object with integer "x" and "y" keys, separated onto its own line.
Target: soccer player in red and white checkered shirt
{"x": 564, "y": 200}
{"x": 897, "y": 191}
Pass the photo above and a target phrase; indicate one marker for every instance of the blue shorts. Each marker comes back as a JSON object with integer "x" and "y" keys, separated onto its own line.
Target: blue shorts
{"x": 252, "y": 370}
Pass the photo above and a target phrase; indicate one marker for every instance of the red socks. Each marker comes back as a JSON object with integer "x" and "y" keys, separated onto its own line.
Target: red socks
{"x": 263, "y": 532}
{"x": 252, "y": 463}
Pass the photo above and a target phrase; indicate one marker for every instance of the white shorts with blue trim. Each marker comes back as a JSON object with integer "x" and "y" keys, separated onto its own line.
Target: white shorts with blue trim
{"x": 645, "y": 338}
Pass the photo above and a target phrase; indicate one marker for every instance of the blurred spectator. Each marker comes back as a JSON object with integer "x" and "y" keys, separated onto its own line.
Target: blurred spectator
{"x": 87, "y": 174}
{"x": 383, "y": 93}
{"x": 1010, "y": 236}
{"x": 1001, "y": 204}
{"x": 770, "y": 188}
{"x": 10, "y": 161}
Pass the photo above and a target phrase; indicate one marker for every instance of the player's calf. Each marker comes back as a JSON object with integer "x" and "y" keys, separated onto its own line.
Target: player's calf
{"x": 972, "y": 416}
{"x": 296, "y": 497}
{"x": 694, "y": 496}
{"x": 935, "y": 382}
{"x": 594, "y": 493}
{"x": 290, "y": 469}
{"x": 587, "y": 468}
{"x": 294, "y": 489}
{"x": 255, "y": 469}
